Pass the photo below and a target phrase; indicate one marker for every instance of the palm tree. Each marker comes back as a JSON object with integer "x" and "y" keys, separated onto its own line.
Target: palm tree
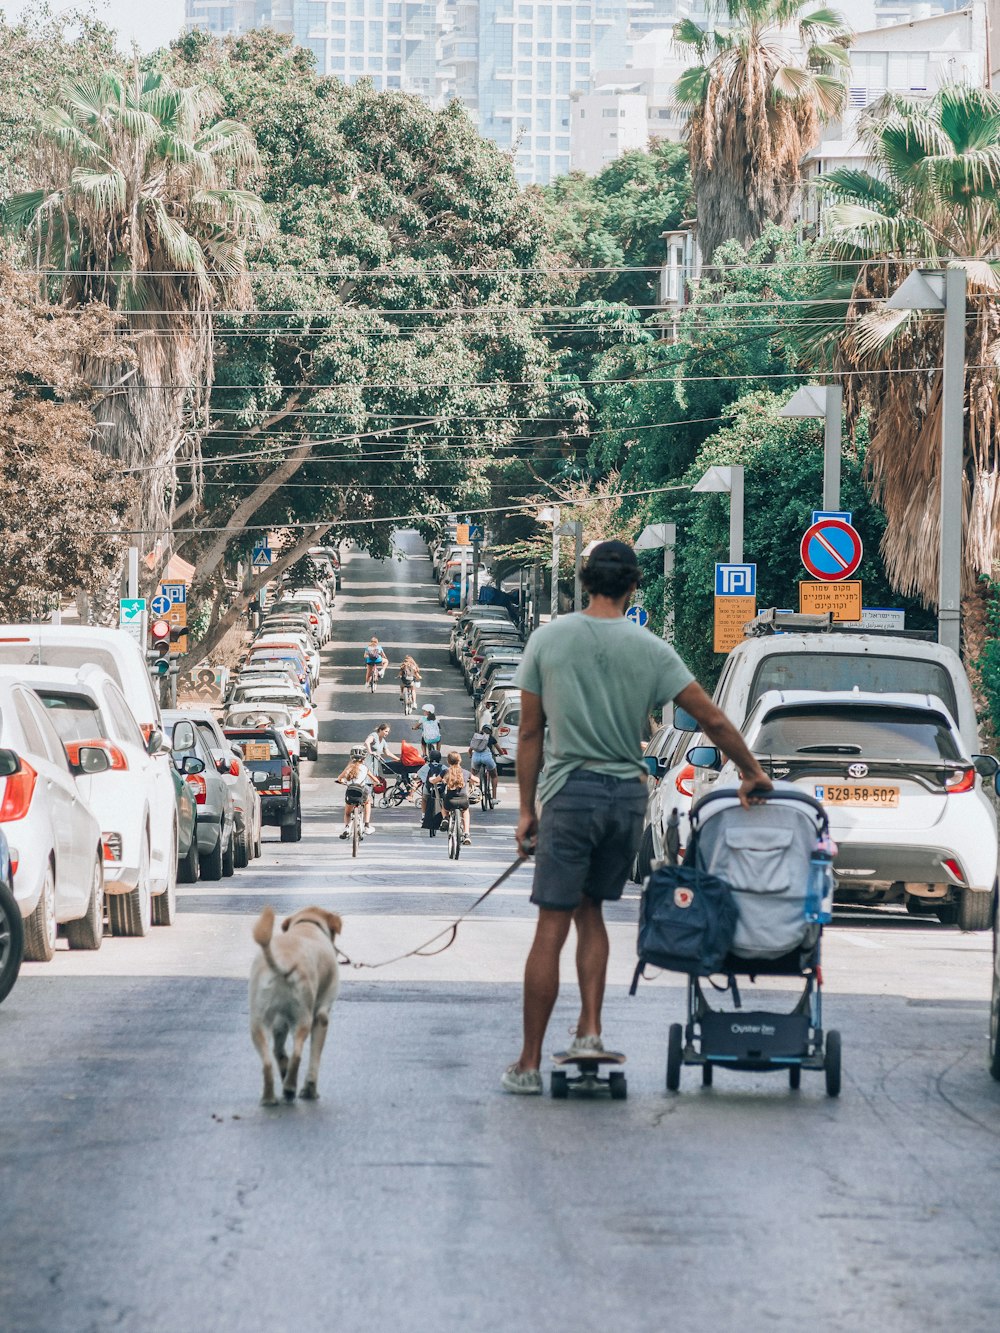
{"x": 932, "y": 199}
{"x": 138, "y": 204}
{"x": 756, "y": 106}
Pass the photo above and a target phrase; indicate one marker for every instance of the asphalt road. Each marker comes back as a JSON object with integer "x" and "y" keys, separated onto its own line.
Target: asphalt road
{"x": 143, "y": 1188}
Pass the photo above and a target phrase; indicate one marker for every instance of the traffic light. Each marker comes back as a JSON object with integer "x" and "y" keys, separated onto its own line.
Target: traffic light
{"x": 159, "y": 633}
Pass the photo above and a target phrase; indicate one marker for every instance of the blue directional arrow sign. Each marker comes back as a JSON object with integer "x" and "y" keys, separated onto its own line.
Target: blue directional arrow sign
{"x": 638, "y": 615}
{"x": 160, "y": 605}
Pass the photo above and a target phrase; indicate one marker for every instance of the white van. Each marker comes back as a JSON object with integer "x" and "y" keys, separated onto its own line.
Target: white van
{"x": 113, "y": 650}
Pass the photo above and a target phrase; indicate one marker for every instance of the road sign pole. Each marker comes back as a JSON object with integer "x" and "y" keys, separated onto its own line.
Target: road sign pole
{"x": 952, "y": 461}
{"x": 832, "y": 446}
{"x": 475, "y": 571}
{"x": 132, "y": 581}
{"x": 670, "y": 532}
{"x": 554, "y": 599}
{"x": 736, "y": 515}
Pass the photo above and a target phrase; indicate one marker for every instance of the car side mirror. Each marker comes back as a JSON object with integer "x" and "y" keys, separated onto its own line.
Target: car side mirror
{"x": 10, "y": 763}
{"x": 655, "y": 766}
{"x": 222, "y": 764}
{"x": 183, "y": 738}
{"x": 683, "y": 720}
{"x": 985, "y": 765}
{"x": 705, "y": 756}
{"x": 191, "y": 764}
{"x": 155, "y": 743}
{"x": 996, "y": 784}
{"x": 91, "y": 759}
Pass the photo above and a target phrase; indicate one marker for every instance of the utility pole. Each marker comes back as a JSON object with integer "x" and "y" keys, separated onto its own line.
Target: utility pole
{"x": 554, "y": 600}
{"x": 577, "y": 562}
{"x": 475, "y": 571}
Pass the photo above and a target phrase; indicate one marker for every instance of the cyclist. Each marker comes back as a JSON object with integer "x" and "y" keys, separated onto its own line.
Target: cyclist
{"x": 357, "y": 773}
{"x": 375, "y": 660}
{"x": 409, "y": 679}
{"x": 429, "y": 728}
{"x": 454, "y": 792}
{"x": 429, "y": 775}
{"x": 484, "y": 749}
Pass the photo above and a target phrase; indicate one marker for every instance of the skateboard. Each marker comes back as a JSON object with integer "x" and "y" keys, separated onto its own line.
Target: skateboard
{"x": 588, "y": 1082}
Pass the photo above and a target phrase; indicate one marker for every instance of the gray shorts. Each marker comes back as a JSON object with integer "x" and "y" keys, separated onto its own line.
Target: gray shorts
{"x": 588, "y": 835}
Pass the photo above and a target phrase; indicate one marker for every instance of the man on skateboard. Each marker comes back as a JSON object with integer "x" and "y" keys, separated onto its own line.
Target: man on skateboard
{"x": 594, "y": 680}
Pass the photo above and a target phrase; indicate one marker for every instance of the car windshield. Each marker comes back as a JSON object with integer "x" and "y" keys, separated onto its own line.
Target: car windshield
{"x": 846, "y": 671}
{"x": 245, "y": 716}
{"x": 59, "y": 655}
{"x": 908, "y": 734}
{"x": 265, "y": 694}
{"x": 294, "y": 608}
{"x": 74, "y": 716}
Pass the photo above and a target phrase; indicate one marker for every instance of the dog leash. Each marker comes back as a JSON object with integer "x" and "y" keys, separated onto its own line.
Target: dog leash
{"x": 451, "y": 930}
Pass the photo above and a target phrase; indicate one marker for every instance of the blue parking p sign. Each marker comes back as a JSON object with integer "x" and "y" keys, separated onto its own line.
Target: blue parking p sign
{"x": 736, "y": 580}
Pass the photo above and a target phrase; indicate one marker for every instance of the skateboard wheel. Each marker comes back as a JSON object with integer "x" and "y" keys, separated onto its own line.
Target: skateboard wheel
{"x": 617, "y": 1086}
{"x": 706, "y": 1076}
{"x": 559, "y": 1084}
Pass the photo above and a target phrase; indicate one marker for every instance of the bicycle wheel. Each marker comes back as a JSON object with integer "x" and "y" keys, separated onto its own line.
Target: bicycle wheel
{"x": 355, "y": 832}
{"x": 454, "y": 837}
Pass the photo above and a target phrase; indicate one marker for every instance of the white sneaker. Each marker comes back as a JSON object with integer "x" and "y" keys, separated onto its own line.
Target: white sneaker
{"x": 525, "y": 1082}
{"x": 591, "y": 1045}
{"x": 368, "y": 828}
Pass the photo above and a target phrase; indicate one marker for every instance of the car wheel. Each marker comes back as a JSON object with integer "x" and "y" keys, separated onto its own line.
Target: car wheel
{"x": 40, "y": 926}
{"x": 88, "y": 931}
{"x": 293, "y": 832}
{"x": 975, "y": 910}
{"x": 229, "y": 858}
{"x": 189, "y": 866}
{"x": 241, "y": 853}
{"x": 994, "y": 1010}
{"x": 11, "y": 940}
{"x": 165, "y": 903}
{"x": 132, "y": 913}
{"x": 644, "y": 857}
{"x": 211, "y": 865}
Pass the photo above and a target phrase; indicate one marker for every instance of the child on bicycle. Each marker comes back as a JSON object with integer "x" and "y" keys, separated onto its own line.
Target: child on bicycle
{"x": 357, "y": 774}
{"x": 454, "y": 791}
{"x": 429, "y": 775}
{"x": 429, "y": 728}
{"x": 484, "y": 749}
{"x": 409, "y": 679}
{"x": 375, "y": 660}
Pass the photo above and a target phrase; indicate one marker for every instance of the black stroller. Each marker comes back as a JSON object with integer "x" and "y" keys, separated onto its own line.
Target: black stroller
{"x": 768, "y": 857}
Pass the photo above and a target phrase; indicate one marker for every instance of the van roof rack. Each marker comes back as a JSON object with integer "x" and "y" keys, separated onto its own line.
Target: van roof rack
{"x": 773, "y": 621}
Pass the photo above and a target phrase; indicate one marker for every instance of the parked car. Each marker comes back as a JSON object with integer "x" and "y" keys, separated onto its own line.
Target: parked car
{"x": 53, "y": 835}
{"x": 670, "y": 793}
{"x": 11, "y": 924}
{"x": 995, "y": 1002}
{"x": 269, "y": 652}
{"x": 303, "y": 715}
{"x": 188, "y": 856}
{"x": 506, "y": 723}
{"x": 903, "y": 793}
{"x": 229, "y": 763}
{"x": 113, "y": 650}
{"x": 133, "y": 800}
{"x": 213, "y": 797}
{"x": 492, "y": 664}
{"x": 293, "y": 640}
{"x": 463, "y": 623}
{"x": 276, "y": 776}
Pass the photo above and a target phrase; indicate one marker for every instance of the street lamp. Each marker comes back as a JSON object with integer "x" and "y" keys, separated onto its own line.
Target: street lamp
{"x": 652, "y": 537}
{"x": 728, "y": 479}
{"x": 826, "y": 401}
{"x": 944, "y": 289}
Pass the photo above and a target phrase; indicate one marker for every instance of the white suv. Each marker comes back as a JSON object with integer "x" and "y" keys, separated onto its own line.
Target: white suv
{"x": 903, "y": 793}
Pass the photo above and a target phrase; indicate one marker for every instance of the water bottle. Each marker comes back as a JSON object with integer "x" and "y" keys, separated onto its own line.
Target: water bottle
{"x": 819, "y": 888}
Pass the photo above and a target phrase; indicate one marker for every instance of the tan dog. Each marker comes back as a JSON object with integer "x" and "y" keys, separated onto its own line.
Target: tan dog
{"x": 293, "y": 984}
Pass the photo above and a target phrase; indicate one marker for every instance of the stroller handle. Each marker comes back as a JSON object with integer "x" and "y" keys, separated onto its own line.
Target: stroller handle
{"x": 732, "y": 794}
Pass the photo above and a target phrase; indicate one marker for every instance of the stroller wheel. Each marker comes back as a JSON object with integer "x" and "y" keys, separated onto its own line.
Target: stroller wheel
{"x": 794, "y": 1077}
{"x": 675, "y": 1054}
{"x": 706, "y": 1076}
{"x": 831, "y": 1064}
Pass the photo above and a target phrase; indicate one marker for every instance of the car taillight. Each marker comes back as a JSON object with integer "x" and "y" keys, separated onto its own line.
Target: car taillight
{"x": 116, "y": 759}
{"x": 18, "y": 793}
{"x": 954, "y": 869}
{"x": 959, "y": 782}
{"x": 198, "y": 785}
{"x": 290, "y": 731}
{"x": 15, "y": 859}
{"x": 503, "y": 731}
{"x": 111, "y": 844}
{"x": 286, "y": 778}
{"x": 685, "y": 780}
{"x": 314, "y": 620}
{"x": 305, "y": 712}
{"x": 234, "y": 769}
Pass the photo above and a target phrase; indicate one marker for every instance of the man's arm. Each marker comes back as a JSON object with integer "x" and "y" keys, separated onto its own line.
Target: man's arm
{"x": 718, "y": 728}
{"x": 530, "y": 738}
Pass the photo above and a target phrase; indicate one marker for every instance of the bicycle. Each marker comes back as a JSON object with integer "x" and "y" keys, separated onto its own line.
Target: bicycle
{"x": 355, "y": 800}
{"x": 409, "y": 700}
{"x": 454, "y": 834}
{"x": 486, "y": 797}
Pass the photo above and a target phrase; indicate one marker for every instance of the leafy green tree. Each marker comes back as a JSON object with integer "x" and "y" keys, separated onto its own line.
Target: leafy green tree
{"x": 756, "y": 109}
{"x": 136, "y": 203}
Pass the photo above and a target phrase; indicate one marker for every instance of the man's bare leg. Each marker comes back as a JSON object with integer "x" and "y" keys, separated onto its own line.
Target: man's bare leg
{"x": 591, "y": 965}
{"x": 541, "y": 982}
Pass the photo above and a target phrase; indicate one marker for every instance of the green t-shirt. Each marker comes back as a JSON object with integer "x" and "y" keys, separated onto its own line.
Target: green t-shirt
{"x": 599, "y": 680}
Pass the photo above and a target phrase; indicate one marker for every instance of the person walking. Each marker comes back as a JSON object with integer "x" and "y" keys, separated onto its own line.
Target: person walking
{"x": 593, "y": 680}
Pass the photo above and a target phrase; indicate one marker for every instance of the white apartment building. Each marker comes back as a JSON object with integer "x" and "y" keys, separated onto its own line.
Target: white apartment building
{"x": 604, "y": 124}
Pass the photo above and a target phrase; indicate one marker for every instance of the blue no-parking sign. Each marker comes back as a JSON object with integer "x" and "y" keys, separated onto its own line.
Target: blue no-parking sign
{"x": 831, "y": 550}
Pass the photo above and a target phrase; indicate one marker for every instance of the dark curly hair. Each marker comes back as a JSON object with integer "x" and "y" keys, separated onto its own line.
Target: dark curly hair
{"x": 611, "y": 570}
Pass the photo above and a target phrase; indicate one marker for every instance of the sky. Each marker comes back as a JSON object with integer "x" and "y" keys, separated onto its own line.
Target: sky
{"x": 149, "y": 23}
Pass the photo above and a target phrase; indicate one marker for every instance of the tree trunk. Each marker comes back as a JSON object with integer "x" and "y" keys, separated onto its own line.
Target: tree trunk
{"x": 216, "y": 632}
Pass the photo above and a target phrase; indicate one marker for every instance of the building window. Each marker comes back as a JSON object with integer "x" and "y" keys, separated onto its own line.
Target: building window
{"x": 393, "y": 81}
